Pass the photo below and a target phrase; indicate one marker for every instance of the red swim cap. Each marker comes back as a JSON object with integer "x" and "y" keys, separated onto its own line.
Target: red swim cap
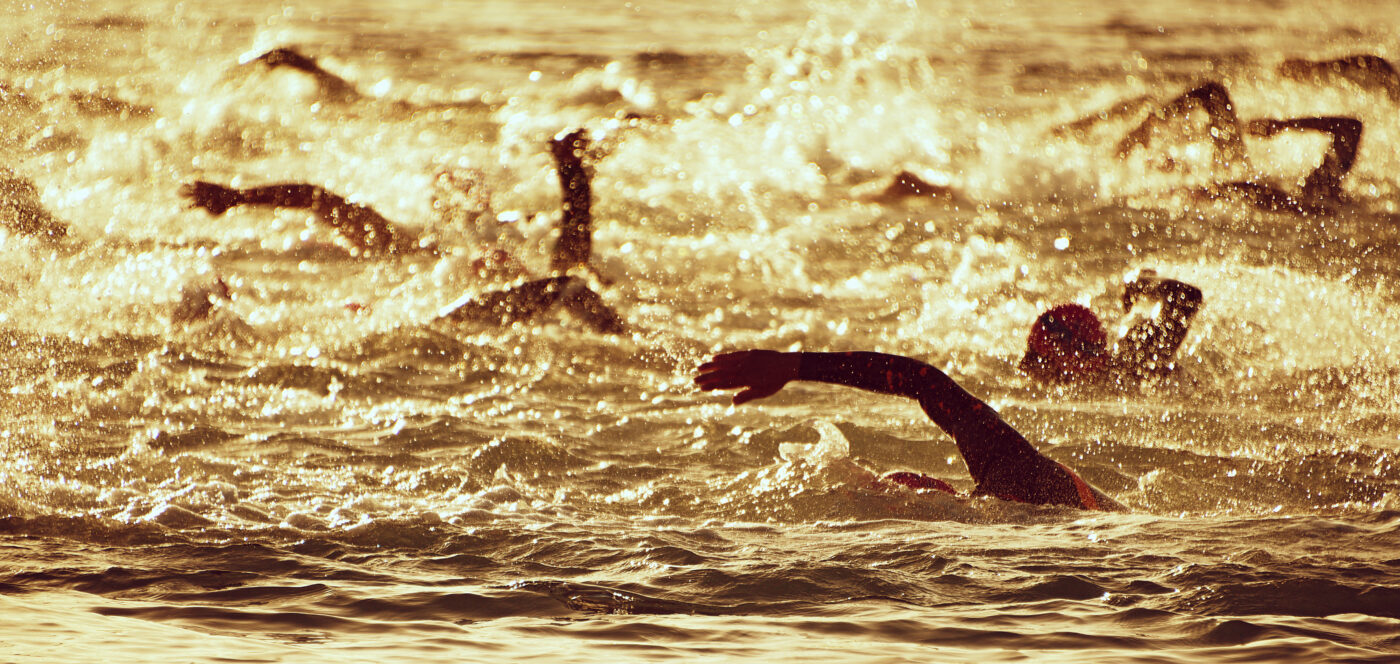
{"x": 1071, "y": 337}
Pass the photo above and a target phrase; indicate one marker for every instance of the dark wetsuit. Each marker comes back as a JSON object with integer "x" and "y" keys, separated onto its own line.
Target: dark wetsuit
{"x": 1001, "y": 461}
{"x": 531, "y": 299}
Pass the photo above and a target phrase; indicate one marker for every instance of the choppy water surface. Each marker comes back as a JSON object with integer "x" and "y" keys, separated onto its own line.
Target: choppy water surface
{"x": 298, "y": 480}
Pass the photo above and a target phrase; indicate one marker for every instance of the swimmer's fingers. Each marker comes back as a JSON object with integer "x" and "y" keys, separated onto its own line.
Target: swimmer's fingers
{"x": 757, "y": 392}
{"x": 749, "y": 387}
{"x": 213, "y": 198}
{"x": 757, "y": 374}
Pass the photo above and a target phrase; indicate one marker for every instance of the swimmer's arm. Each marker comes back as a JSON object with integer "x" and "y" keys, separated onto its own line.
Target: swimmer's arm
{"x": 1345, "y": 133}
{"x": 217, "y": 198}
{"x": 986, "y": 442}
{"x": 1210, "y": 97}
{"x": 360, "y": 224}
{"x": 1181, "y": 299}
{"x": 574, "y": 247}
{"x": 1115, "y": 112}
{"x": 1150, "y": 344}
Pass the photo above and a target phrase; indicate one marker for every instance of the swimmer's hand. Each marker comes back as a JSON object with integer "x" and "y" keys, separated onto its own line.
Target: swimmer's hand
{"x": 214, "y": 198}
{"x": 1264, "y": 127}
{"x": 760, "y": 373}
{"x": 1139, "y": 285}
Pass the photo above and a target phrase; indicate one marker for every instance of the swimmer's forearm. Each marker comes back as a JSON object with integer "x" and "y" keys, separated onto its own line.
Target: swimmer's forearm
{"x": 575, "y": 244}
{"x": 1173, "y": 293}
{"x": 980, "y": 434}
{"x": 281, "y": 195}
{"x": 876, "y": 372}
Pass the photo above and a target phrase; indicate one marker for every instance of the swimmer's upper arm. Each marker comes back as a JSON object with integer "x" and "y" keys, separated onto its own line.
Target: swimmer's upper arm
{"x": 983, "y": 438}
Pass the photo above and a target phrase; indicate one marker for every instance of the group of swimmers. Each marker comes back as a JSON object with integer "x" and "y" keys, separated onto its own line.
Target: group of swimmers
{"x": 1066, "y": 344}
{"x": 524, "y": 297}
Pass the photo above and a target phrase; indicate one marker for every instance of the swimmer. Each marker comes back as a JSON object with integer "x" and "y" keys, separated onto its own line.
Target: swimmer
{"x": 1369, "y": 72}
{"x": 1067, "y": 344}
{"x": 333, "y": 87}
{"x": 1321, "y": 190}
{"x": 336, "y": 89}
{"x": 571, "y": 266}
{"x": 370, "y": 233}
{"x": 1003, "y": 464}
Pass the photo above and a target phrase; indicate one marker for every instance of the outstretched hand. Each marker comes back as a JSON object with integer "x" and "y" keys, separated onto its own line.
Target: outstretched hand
{"x": 759, "y": 373}
{"x": 1141, "y": 283}
{"x": 1263, "y": 127}
{"x": 214, "y": 198}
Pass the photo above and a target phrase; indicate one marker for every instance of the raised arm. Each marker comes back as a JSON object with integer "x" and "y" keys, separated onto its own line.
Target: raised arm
{"x": 364, "y": 228}
{"x": 1220, "y": 110}
{"x": 1325, "y": 182}
{"x": 1149, "y": 345}
{"x": 1000, "y": 460}
{"x": 1345, "y": 133}
{"x": 574, "y": 247}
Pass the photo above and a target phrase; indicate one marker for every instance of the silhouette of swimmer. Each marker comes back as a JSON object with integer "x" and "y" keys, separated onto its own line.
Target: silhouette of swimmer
{"x": 369, "y": 233}
{"x": 571, "y": 263}
{"x": 336, "y": 89}
{"x": 1368, "y": 72}
{"x": 1067, "y": 344}
{"x": 1320, "y": 191}
{"x": 333, "y": 87}
{"x": 366, "y": 230}
{"x": 1003, "y": 464}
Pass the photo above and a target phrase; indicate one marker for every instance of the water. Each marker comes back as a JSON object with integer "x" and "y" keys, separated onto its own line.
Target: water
{"x": 298, "y": 480}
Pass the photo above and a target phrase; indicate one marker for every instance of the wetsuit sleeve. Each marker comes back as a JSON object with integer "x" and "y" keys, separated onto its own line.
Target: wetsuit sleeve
{"x": 1345, "y": 133}
{"x": 361, "y": 225}
{"x": 1001, "y": 461}
{"x": 1149, "y": 345}
{"x": 574, "y": 247}
{"x": 1210, "y": 97}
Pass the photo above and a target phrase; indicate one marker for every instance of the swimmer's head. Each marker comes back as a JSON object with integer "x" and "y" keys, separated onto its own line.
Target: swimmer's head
{"x": 1069, "y": 340}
